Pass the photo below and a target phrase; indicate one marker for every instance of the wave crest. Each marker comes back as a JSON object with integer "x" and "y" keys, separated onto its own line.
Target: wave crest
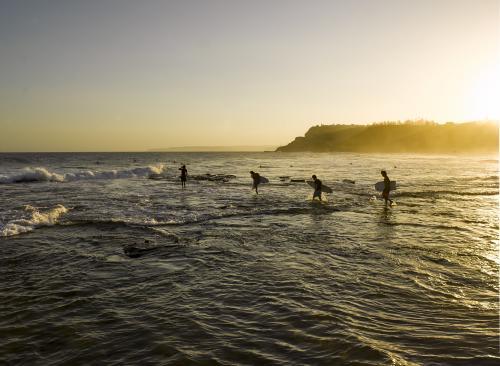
{"x": 40, "y": 174}
{"x": 35, "y": 219}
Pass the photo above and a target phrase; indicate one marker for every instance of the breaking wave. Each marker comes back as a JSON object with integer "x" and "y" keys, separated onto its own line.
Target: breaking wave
{"x": 36, "y": 219}
{"x": 40, "y": 174}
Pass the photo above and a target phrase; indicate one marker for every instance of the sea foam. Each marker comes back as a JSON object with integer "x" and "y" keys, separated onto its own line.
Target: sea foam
{"x": 35, "y": 219}
{"x": 40, "y": 174}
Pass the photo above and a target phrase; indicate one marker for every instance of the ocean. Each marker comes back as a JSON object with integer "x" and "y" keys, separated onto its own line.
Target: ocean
{"x": 106, "y": 260}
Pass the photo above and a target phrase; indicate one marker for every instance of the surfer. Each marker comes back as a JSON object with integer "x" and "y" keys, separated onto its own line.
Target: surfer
{"x": 184, "y": 173}
{"x": 256, "y": 181}
{"x": 387, "y": 187}
{"x": 317, "y": 187}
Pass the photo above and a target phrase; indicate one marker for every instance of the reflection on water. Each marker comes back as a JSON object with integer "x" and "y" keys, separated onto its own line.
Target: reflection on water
{"x": 386, "y": 215}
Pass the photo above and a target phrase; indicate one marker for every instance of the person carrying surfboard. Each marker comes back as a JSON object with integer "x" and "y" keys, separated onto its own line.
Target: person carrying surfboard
{"x": 317, "y": 187}
{"x": 256, "y": 181}
{"x": 184, "y": 173}
{"x": 387, "y": 187}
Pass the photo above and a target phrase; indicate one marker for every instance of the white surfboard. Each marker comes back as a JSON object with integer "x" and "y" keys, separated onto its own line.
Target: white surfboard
{"x": 379, "y": 186}
{"x": 324, "y": 188}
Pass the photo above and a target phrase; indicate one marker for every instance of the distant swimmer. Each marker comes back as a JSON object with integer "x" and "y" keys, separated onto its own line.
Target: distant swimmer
{"x": 317, "y": 187}
{"x": 256, "y": 181}
{"x": 387, "y": 187}
{"x": 184, "y": 173}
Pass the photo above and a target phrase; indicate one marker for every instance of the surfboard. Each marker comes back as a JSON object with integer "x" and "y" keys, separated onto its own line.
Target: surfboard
{"x": 324, "y": 188}
{"x": 379, "y": 186}
{"x": 264, "y": 180}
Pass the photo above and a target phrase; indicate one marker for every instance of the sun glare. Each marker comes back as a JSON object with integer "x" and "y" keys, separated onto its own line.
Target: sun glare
{"x": 484, "y": 99}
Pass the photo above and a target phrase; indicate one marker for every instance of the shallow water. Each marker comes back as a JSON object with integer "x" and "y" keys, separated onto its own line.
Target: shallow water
{"x": 102, "y": 265}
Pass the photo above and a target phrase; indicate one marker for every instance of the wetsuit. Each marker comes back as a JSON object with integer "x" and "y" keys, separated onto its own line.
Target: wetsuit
{"x": 317, "y": 189}
{"x": 183, "y": 174}
{"x": 256, "y": 180}
{"x": 387, "y": 187}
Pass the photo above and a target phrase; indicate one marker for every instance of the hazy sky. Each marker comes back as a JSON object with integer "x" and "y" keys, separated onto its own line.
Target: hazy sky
{"x": 134, "y": 75}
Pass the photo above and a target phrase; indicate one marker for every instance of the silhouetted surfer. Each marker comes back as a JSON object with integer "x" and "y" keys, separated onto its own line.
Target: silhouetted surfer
{"x": 184, "y": 173}
{"x": 387, "y": 187}
{"x": 317, "y": 187}
{"x": 256, "y": 181}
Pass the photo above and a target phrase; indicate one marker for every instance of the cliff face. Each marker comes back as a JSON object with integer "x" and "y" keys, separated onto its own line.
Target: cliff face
{"x": 421, "y": 136}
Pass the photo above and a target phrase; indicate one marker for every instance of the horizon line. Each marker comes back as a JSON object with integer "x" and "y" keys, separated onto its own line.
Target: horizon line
{"x": 128, "y": 151}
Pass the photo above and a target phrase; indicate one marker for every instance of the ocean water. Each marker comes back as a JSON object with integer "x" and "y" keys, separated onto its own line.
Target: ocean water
{"x": 106, "y": 260}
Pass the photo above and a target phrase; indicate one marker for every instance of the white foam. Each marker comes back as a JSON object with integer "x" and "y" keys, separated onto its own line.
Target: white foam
{"x": 35, "y": 219}
{"x": 32, "y": 175}
{"x": 40, "y": 174}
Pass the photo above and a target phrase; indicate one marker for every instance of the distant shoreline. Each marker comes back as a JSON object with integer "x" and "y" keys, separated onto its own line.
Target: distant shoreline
{"x": 241, "y": 148}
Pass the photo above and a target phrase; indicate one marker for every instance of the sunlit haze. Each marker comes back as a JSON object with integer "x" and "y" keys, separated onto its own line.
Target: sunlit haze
{"x": 138, "y": 75}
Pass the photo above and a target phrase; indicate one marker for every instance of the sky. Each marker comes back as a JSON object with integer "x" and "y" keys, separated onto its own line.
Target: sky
{"x": 125, "y": 75}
